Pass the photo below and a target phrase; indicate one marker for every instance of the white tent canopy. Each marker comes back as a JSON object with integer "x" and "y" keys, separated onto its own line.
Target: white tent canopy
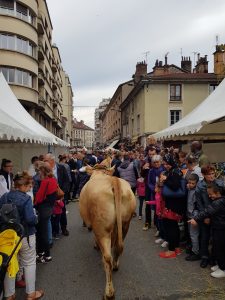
{"x": 207, "y": 120}
{"x": 16, "y": 123}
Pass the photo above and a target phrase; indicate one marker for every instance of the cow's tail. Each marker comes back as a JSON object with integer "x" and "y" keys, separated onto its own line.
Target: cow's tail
{"x": 118, "y": 198}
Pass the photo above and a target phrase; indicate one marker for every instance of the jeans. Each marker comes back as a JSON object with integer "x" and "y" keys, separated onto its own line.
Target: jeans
{"x": 218, "y": 237}
{"x": 27, "y": 260}
{"x": 43, "y": 236}
{"x": 172, "y": 233}
{"x": 194, "y": 234}
{"x": 55, "y": 219}
{"x": 141, "y": 201}
{"x": 204, "y": 230}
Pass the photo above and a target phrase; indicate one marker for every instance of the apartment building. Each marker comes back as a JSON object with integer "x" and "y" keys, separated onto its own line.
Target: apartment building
{"x": 167, "y": 94}
{"x": 98, "y": 122}
{"x": 111, "y": 117}
{"x": 32, "y": 66}
{"x": 83, "y": 135}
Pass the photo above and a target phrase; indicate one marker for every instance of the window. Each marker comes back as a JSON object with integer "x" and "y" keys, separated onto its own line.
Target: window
{"x": 212, "y": 87}
{"x": 16, "y": 76}
{"x": 138, "y": 124}
{"x": 3, "y": 41}
{"x": 175, "y": 116}
{"x": 175, "y": 92}
{"x": 6, "y": 7}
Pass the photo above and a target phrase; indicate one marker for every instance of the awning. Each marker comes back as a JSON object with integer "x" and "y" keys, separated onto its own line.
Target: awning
{"x": 112, "y": 144}
{"x": 16, "y": 123}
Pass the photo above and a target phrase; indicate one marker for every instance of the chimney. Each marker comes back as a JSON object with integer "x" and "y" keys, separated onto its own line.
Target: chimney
{"x": 202, "y": 64}
{"x": 219, "y": 60}
{"x": 186, "y": 64}
{"x": 160, "y": 69}
{"x": 141, "y": 71}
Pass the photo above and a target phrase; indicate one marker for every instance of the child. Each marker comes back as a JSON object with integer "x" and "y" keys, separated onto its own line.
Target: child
{"x": 216, "y": 212}
{"x": 159, "y": 203}
{"x": 141, "y": 194}
{"x": 57, "y": 211}
{"x": 191, "y": 213}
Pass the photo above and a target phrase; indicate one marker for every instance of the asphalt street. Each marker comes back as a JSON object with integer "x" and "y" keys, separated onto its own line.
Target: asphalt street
{"x": 76, "y": 272}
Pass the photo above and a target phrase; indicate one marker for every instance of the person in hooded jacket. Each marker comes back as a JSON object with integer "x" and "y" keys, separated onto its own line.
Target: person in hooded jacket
{"x": 128, "y": 172}
{"x": 203, "y": 201}
{"x": 216, "y": 212}
{"x": 175, "y": 204}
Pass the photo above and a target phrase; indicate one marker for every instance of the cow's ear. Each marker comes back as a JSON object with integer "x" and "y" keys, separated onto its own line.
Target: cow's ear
{"x": 111, "y": 170}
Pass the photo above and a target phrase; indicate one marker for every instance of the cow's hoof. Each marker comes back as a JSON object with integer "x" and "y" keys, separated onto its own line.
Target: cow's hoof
{"x": 115, "y": 266}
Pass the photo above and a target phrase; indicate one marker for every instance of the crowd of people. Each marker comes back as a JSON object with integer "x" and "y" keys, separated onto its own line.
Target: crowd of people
{"x": 172, "y": 188}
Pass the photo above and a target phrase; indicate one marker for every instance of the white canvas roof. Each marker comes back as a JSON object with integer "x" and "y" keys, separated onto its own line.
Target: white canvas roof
{"x": 207, "y": 120}
{"x": 16, "y": 123}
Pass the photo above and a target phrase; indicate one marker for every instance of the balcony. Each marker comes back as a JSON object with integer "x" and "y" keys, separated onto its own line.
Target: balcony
{"x": 41, "y": 103}
{"x": 41, "y": 55}
{"x": 40, "y": 24}
{"x": 41, "y": 79}
{"x": 54, "y": 67}
{"x": 54, "y": 85}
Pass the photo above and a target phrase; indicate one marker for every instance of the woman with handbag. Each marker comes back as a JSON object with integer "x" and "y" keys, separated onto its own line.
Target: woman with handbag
{"x": 44, "y": 201}
{"x": 174, "y": 194}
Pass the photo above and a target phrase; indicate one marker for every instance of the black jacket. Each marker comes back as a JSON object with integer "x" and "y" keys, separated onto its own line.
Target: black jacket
{"x": 173, "y": 181}
{"x": 63, "y": 178}
{"x": 216, "y": 212}
{"x": 202, "y": 198}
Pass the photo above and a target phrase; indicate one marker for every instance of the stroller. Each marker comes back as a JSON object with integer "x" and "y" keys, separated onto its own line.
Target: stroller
{"x": 11, "y": 235}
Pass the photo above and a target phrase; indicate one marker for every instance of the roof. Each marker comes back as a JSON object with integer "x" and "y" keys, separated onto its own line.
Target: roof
{"x": 81, "y": 125}
{"x": 16, "y": 123}
{"x": 202, "y": 119}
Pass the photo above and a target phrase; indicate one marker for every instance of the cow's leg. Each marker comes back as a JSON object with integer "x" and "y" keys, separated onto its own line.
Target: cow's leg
{"x": 105, "y": 246}
{"x": 116, "y": 254}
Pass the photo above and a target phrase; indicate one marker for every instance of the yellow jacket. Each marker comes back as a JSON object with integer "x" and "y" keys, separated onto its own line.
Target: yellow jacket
{"x": 8, "y": 241}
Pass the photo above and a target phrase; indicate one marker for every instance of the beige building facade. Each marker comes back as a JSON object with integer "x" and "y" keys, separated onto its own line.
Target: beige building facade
{"x": 32, "y": 65}
{"x": 83, "y": 135}
{"x": 164, "y": 96}
{"x": 111, "y": 117}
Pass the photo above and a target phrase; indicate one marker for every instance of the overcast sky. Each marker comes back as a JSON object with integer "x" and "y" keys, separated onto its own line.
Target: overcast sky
{"x": 100, "y": 41}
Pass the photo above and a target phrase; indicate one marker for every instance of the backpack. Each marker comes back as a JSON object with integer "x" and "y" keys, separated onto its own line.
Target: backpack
{"x": 10, "y": 218}
{"x": 9, "y": 214}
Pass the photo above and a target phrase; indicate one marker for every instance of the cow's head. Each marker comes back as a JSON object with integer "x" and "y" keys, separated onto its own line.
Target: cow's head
{"x": 99, "y": 168}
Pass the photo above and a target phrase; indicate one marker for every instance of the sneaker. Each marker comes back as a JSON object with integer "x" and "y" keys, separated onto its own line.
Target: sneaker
{"x": 65, "y": 232}
{"x": 178, "y": 251}
{"x": 40, "y": 260}
{"x": 164, "y": 244}
{"x": 204, "y": 262}
{"x": 156, "y": 234}
{"x": 167, "y": 254}
{"x": 159, "y": 241}
{"x": 140, "y": 217}
{"x": 20, "y": 284}
{"x": 47, "y": 258}
{"x": 193, "y": 257}
{"x": 146, "y": 227}
{"x": 56, "y": 237}
{"x": 214, "y": 268}
{"x": 218, "y": 274}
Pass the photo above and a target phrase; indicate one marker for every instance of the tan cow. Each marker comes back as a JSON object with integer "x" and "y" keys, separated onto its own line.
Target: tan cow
{"x": 107, "y": 205}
